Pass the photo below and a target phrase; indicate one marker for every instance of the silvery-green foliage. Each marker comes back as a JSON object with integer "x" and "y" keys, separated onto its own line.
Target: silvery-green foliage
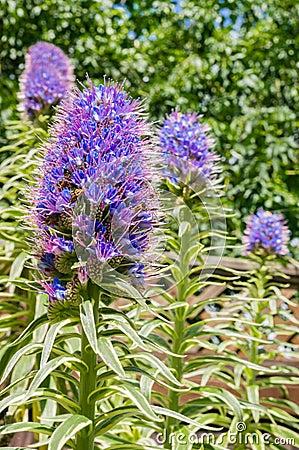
{"x": 18, "y": 161}
{"x": 265, "y": 318}
{"x": 123, "y": 355}
{"x": 190, "y": 235}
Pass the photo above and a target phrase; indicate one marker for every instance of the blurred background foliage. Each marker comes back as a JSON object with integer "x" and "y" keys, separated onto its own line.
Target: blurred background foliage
{"x": 234, "y": 61}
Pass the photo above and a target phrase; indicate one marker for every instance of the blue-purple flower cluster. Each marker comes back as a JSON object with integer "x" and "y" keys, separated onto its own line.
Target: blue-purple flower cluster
{"x": 93, "y": 197}
{"x": 48, "y": 75}
{"x": 268, "y": 232}
{"x": 187, "y": 148}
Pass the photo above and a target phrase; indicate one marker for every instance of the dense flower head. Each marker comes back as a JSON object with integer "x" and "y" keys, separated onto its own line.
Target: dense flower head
{"x": 93, "y": 202}
{"x": 48, "y": 75}
{"x": 187, "y": 147}
{"x": 268, "y": 232}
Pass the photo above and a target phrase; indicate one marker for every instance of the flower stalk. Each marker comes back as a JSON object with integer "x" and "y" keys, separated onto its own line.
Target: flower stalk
{"x": 88, "y": 378}
{"x": 266, "y": 238}
{"x": 191, "y": 171}
{"x": 94, "y": 215}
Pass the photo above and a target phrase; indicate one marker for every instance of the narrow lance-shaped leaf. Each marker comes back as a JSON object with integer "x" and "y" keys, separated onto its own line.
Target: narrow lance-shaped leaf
{"x": 109, "y": 356}
{"x": 18, "y": 265}
{"x": 66, "y": 430}
{"x": 253, "y": 397}
{"x": 129, "y": 332}
{"x": 226, "y": 397}
{"x": 18, "y": 355}
{"x": 29, "y": 330}
{"x": 138, "y": 399}
{"x": 169, "y": 413}
{"x": 46, "y": 370}
{"x": 88, "y": 324}
{"x": 26, "y": 426}
{"x": 50, "y": 339}
{"x": 155, "y": 362}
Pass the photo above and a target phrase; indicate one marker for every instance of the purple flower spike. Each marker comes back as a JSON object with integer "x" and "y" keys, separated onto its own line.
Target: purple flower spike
{"x": 93, "y": 204}
{"x": 266, "y": 231}
{"x": 55, "y": 290}
{"x": 186, "y": 147}
{"x": 47, "y": 77}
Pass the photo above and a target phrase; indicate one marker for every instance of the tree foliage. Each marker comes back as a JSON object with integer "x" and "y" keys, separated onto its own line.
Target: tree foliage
{"x": 233, "y": 61}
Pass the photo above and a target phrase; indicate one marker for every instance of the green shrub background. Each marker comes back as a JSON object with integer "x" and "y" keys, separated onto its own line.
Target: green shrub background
{"x": 234, "y": 62}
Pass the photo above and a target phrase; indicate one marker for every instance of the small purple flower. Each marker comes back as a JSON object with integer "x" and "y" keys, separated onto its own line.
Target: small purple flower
{"x": 48, "y": 75}
{"x": 46, "y": 263}
{"x": 58, "y": 245}
{"x": 93, "y": 191}
{"x": 105, "y": 250}
{"x": 55, "y": 290}
{"x": 186, "y": 147}
{"x": 266, "y": 231}
{"x": 82, "y": 275}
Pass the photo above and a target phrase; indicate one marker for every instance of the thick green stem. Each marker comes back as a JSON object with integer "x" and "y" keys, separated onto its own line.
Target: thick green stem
{"x": 88, "y": 383}
{"x": 177, "y": 363}
{"x": 177, "y": 366}
{"x": 259, "y": 292}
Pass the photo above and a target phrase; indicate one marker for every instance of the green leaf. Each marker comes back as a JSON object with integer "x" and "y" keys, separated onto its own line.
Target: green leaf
{"x": 192, "y": 288}
{"x": 41, "y": 308}
{"x": 274, "y": 381}
{"x": 193, "y": 364}
{"x": 129, "y": 332}
{"x": 146, "y": 385}
{"x": 282, "y": 432}
{"x": 41, "y": 394}
{"x": 10, "y": 400}
{"x": 144, "y": 374}
{"x": 9, "y": 367}
{"x": 50, "y": 339}
{"x": 26, "y": 426}
{"x": 101, "y": 392}
{"x": 184, "y": 228}
{"x": 281, "y": 403}
{"x": 172, "y": 306}
{"x": 88, "y": 324}
{"x": 129, "y": 291}
{"x": 138, "y": 399}
{"x": 62, "y": 399}
{"x": 176, "y": 273}
{"x": 14, "y": 448}
{"x": 191, "y": 254}
{"x": 66, "y": 430}
{"x": 182, "y": 439}
{"x": 23, "y": 283}
{"x": 31, "y": 327}
{"x": 133, "y": 446}
{"x": 18, "y": 265}
{"x": 42, "y": 373}
{"x": 109, "y": 419}
{"x": 109, "y": 356}
{"x": 258, "y": 440}
{"x": 155, "y": 362}
{"x": 283, "y": 415}
{"x": 253, "y": 397}
{"x": 148, "y": 327}
{"x": 226, "y": 397}
{"x": 181, "y": 418}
